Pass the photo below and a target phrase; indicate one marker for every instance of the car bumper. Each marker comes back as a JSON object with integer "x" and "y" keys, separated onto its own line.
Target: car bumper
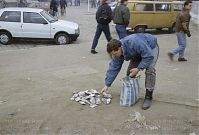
{"x": 74, "y": 36}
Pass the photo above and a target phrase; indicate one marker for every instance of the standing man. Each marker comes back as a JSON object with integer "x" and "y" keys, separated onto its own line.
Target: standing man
{"x": 93, "y": 4}
{"x": 182, "y": 29}
{"x": 63, "y": 5}
{"x": 53, "y": 7}
{"x": 103, "y": 17}
{"x": 121, "y": 16}
{"x": 142, "y": 51}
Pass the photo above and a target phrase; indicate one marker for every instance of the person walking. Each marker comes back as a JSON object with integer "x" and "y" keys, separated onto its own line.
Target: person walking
{"x": 182, "y": 29}
{"x": 142, "y": 50}
{"x": 78, "y": 2}
{"x": 63, "y": 5}
{"x": 103, "y": 18}
{"x": 121, "y": 17}
{"x": 93, "y": 4}
{"x": 53, "y": 7}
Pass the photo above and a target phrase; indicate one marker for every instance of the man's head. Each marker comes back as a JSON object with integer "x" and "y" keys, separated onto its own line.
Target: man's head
{"x": 125, "y": 2}
{"x": 114, "y": 48}
{"x": 106, "y": 2}
{"x": 188, "y": 5}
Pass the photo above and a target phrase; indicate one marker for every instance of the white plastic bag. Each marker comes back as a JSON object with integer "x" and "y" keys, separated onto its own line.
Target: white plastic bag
{"x": 130, "y": 91}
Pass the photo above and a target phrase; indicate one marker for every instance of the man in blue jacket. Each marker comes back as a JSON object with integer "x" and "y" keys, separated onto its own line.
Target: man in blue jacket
{"x": 142, "y": 51}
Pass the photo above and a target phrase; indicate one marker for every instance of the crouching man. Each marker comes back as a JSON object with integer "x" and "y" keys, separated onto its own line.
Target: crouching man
{"x": 142, "y": 50}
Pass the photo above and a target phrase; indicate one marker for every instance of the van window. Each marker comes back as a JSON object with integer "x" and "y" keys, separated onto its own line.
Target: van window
{"x": 177, "y": 7}
{"x": 163, "y": 7}
{"x": 144, "y": 7}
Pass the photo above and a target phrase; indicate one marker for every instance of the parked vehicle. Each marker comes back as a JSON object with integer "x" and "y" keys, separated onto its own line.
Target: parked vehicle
{"x": 153, "y": 14}
{"x": 35, "y": 23}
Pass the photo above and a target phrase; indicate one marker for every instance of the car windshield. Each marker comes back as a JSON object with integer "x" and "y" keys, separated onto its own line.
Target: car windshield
{"x": 50, "y": 18}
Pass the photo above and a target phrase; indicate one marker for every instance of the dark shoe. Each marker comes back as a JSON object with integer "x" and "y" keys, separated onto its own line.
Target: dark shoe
{"x": 93, "y": 51}
{"x": 148, "y": 100}
{"x": 170, "y": 56}
{"x": 182, "y": 59}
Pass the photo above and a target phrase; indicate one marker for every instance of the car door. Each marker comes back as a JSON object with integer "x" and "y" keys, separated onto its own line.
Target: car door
{"x": 11, "y": 21}
{"x": 35, "y": 26}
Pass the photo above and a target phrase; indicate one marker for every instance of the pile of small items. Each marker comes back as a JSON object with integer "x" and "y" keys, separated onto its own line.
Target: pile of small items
{"x": 91, "y": 97}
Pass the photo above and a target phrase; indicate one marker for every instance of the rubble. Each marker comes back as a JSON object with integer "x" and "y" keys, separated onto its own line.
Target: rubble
{"x": 140, "y": 119}
{"x": 140, "y": 122}
{"x": 91, "y": 97}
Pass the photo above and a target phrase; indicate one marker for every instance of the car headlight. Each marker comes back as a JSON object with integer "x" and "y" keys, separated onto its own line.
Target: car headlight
{"x": 77, "y": 31}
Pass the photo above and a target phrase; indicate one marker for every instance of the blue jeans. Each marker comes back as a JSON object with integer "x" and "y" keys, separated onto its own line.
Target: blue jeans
{"x": 181, "y": 37}
{"x": 121, "y": 31}
{"x": 100, "y": 28}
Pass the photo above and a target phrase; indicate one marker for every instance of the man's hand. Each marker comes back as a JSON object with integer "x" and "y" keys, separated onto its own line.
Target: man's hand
{"x": 134, "y": 72}
{"x": 105, "y": 89}
{"x": 188, "y": 34}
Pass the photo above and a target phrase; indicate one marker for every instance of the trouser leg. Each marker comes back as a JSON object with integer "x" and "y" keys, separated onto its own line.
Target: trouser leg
{"x": 96, "y": 37}
{"x": 150, "y": 72}
{"x": 107, "y": 33}
{"x": 181, "y": 37}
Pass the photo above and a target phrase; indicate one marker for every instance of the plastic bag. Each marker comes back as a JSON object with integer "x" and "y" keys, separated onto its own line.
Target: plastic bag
{"x": 130, "y": 91}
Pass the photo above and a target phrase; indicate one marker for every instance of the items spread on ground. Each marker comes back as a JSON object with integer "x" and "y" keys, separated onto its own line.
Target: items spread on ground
{"x": 91, "y": 97}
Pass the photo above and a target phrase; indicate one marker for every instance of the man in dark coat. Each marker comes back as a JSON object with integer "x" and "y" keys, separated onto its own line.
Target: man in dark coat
{"x": 53, "y": 7}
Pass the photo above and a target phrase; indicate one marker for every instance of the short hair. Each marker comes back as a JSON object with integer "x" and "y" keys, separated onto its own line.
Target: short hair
{"x": 103, "y": 2}
{"x": 113, "y": 45}
{"x": 122, "y": 1}
{"x": 187, "y": 2}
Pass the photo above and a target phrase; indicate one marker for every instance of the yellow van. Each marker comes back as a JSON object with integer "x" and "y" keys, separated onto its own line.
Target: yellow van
{"x": 153, "y": 14}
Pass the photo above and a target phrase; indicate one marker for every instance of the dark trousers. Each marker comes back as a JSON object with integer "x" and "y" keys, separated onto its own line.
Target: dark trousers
{"x": 100, "y": 28}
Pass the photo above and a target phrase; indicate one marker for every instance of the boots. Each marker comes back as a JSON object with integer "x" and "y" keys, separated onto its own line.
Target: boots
{"x": 148, "y": 100}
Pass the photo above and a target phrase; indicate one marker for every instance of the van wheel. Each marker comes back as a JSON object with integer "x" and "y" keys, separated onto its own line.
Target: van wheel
{"x": 5, "y": 38}
{"x": 159, "y": 29}
{"x": 62, "y": 39}
{"x": 140, "y": 29}
{"x": 172, "y": 29}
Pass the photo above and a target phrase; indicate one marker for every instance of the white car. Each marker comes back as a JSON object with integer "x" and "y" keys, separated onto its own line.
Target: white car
{"x": 35, "y": 23}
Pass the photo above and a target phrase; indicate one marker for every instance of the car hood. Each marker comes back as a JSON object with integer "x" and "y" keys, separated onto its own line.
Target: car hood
{"x": 63, "y": 23}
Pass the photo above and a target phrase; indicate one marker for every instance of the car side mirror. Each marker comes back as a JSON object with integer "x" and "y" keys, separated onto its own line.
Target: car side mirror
{"x": 45, "y": 22}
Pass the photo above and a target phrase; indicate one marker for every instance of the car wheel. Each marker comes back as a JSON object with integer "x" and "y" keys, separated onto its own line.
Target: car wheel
{"x": 172, "y": 29}
{"x": 140, "y": 29}
{"x": 5, "y": 38}
{"x": 62, "y": 39}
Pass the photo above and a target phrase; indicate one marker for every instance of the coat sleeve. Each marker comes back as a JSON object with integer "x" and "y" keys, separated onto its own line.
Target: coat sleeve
{"x": 110, "y": 14}
{"x": 146, "y": 54}
{"x": 114, "y": 68}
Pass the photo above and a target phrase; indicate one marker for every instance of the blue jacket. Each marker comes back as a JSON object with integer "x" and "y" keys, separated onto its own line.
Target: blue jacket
{"x": 140, "y": 44}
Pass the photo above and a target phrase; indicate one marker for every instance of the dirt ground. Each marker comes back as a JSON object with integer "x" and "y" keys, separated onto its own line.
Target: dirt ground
{"x": 37, "y": 81}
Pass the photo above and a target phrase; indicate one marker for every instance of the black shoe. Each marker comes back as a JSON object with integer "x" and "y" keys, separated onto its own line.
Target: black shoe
{"x": 93, "y": 51}
{"x": 170, "y": 56}
{"x": 182, "y": 59}
{"x": 148, "y": 100}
